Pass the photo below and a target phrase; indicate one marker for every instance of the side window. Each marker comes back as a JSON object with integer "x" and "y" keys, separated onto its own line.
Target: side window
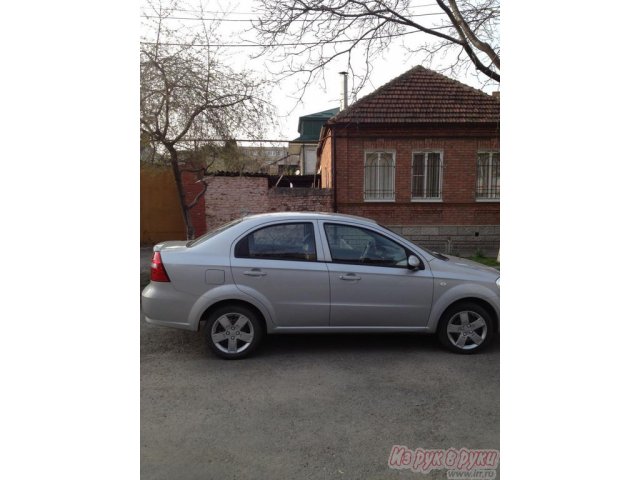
{"x": 426, "y": 176}
{"x": 285, "y": 241}
{"x": 379, "y": 176}
{"x": 488, "y": 183}
{"x": 350, "y": 244}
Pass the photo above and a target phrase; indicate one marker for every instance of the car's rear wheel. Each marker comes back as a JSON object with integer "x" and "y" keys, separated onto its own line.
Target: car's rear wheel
{"x": 465, "y": 328}
{"x": 233, "y": 331}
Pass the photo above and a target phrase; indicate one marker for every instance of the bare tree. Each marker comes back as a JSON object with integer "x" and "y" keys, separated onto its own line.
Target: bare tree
{"x": 308, "y": 35}
{"x": 186, "y": 89}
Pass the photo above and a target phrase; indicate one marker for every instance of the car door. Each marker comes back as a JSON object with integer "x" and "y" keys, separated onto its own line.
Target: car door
{"x": 371, "y": 284}
{"x": 278, "y": 265}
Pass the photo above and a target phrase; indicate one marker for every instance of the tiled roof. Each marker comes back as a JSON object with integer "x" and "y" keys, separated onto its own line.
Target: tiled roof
{"x": 422, "y": 96}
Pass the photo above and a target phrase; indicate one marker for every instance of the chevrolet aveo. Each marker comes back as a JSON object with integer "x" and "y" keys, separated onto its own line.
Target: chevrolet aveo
{"x": 317, "y": 273}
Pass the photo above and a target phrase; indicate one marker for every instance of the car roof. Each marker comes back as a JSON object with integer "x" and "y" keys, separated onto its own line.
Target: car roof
{"x": 308, "y": 216}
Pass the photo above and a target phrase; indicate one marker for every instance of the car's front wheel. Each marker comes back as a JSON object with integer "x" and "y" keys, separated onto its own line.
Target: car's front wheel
{"x": 465, "y": 328}
{"x": 233, "y": 331}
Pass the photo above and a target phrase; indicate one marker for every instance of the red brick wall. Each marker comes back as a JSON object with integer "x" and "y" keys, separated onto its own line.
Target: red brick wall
{"x": 326, "y": 169}
{"x": 228, "y": 198}
{"x": 459, "y": 146}
{"x": 300, "y": 200}
{"x": 191, "y": 190}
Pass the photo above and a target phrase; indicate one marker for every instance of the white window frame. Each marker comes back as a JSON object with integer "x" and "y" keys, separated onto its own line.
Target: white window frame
{"x": 393, "y": 176}
{"x": 440, "y": 179}
{"x": 491, "y": 164}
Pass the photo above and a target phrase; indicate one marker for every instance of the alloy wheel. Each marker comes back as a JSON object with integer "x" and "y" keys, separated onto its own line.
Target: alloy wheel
{"x": 232, "y": 333}
{"x": 467, "y": 330}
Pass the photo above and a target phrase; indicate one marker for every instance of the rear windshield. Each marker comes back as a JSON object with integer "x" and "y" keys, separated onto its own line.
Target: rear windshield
{"x": 212, "y": 233}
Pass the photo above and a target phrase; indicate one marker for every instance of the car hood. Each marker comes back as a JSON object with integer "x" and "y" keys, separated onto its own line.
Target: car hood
{"x": 173, "y": 244}
{"x": 469, "y": 264}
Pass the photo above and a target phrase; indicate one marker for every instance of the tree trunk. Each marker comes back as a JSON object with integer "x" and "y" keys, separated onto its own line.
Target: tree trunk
{"x": 186, "y": 214}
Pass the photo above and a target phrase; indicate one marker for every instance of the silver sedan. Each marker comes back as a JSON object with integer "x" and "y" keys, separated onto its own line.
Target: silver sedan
{"x": 317, "y": 273}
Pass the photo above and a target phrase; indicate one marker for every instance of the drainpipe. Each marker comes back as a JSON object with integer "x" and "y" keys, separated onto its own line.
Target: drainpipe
{"x": 334, "y": 177}
{"x": 333, "y": 169}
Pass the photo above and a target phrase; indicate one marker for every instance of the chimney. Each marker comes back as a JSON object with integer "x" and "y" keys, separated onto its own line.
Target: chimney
{"x": 345, "y": 97}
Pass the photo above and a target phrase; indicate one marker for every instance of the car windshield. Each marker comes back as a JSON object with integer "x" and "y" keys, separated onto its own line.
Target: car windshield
{"x": 213, "y": 233}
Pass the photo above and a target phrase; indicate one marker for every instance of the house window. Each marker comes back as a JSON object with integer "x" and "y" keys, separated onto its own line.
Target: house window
{"x": 379, "y": 176}
{"x": 426, "y": 176}
{"x": 488, "y": 185}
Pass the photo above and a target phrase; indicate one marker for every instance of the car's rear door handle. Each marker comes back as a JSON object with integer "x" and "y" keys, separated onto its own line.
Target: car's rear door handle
{"x": 349, "y": 277}
{"x": 254, "y": 272}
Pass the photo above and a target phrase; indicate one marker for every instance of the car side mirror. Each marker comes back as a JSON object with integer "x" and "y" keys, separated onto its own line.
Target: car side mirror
{"x": 413, "y": 262}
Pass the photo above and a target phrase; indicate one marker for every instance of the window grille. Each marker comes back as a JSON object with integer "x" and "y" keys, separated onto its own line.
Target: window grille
{"x": 488, "y": 184}
{"x": 379, "y": 176}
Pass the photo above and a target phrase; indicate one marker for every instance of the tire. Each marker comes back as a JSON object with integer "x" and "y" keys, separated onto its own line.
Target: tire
{"x": 456, "y": 332}
{"x": 229, "y": 340}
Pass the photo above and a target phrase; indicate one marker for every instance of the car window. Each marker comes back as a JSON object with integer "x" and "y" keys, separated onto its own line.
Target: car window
{"x": 349, "y": 244}
{"x": 285, "y": 241}
{"x": 213, "y": 233}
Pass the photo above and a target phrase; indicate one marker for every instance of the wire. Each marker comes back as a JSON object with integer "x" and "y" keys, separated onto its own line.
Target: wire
{"x": 187, "y": 10}
{"x": 257, "y": 19}
{"x": 175, "y": 44}
{"x": 236, "y": 139}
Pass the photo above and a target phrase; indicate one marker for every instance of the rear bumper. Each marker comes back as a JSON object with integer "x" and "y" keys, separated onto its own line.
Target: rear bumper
{"x": 161, "y": 323}
{"x": 163, "y": 305}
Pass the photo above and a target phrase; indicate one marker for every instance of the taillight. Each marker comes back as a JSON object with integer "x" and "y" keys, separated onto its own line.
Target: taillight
{"x": 158, "y": 273}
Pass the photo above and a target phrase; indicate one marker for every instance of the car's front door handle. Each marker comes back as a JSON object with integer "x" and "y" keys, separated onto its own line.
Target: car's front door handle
{"x": 349, "y": 277}
{"x": 254, "y": 272}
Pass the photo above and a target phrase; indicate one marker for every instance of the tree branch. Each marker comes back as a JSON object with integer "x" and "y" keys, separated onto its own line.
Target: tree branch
{"x": 331, "y": 22}
{"x": 467, "y": 47}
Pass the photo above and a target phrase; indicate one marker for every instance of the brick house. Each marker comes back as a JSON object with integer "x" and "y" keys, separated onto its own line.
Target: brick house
{"x": 420, "y": 155}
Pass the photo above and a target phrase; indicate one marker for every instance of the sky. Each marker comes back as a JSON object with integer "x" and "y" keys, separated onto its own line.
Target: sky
{"x": 236, "y": 28}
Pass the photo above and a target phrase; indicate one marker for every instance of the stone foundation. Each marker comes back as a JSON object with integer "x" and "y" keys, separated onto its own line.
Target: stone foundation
{"x": 459, "y": 240}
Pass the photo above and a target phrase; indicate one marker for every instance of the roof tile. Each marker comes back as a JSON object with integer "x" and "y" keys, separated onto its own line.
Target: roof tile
{"x": 422, "y": 96}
